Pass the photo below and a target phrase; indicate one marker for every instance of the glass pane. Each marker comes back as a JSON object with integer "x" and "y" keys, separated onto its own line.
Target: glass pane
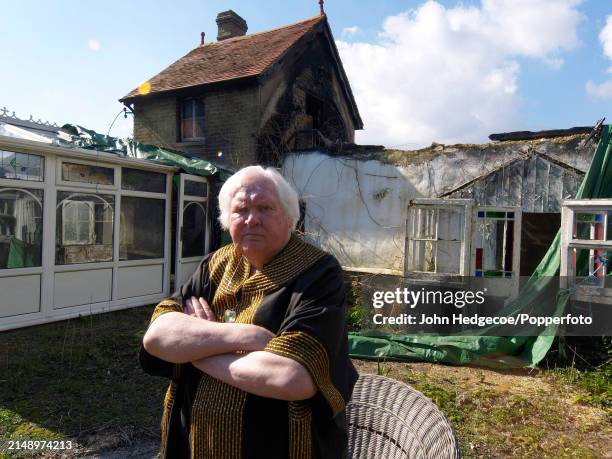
{"x": 84, "y": 211}
{"x": 198, "y": 107}
{"x": 88, "y": 174}
{"x": 448, "y": 257}
{"x": 196, "y": 189}
{"x": 450, "y": 224}
{"x": 424, "y": 223}
{"x": 137, "y": 180}
{"x": 589, "y": 226}
{"x": 21, "y": 166}
{"x": 593, "y": 265}
{"x": 421, "y": 256}
{"x": 199, "y": 128}
{"x": 142, "y": 228}
{"x": 194, "y": 229}
{"x": 489, "y": 238}
{"x": 84, "y": 230}
{"x": 21, "y": 220}
{"x": 187, "y": 109}
{"x": 187, "y": 128}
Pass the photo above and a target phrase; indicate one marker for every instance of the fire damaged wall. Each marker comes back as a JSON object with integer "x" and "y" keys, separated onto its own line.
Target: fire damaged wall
{"x": 356, "y": 204}
{"x": 303, "y": 105}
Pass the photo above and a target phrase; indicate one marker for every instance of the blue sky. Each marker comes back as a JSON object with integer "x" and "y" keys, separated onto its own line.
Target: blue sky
{"x": 422, "y": 71}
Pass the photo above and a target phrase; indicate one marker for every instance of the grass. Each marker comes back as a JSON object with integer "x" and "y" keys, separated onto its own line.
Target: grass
{"x": 512, "y": 415}
{"x": 80, "y": 379}
{"x": 77, "y": 378}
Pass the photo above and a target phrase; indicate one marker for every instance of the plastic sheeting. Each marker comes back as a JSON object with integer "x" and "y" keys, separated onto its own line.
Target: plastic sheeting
{"x": 498, "y": 351}
{"x": 91, "y": 140}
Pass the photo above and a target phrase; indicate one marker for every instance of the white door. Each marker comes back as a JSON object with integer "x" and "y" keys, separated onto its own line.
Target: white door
{"x": 193, "y": 227}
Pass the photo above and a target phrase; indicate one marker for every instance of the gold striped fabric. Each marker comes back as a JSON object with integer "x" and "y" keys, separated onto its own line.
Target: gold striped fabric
{"x": 216, "y": 420}
{"x": 168, "y": 402}
{"x": 309, "y": 352}
{"x": 300, "y": 420}
{"x": 164, "y": 307}
{"x": 217, "y": 412}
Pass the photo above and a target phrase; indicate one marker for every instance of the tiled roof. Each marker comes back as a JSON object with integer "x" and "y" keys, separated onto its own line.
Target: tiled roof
{"x": 229, "y": 59}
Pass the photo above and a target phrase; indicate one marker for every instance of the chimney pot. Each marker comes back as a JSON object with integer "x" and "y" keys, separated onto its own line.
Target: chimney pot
{"x": 230, "y": 25}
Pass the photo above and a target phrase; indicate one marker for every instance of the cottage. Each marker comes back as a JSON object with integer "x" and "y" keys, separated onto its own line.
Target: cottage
{"x": 248, "y": 99}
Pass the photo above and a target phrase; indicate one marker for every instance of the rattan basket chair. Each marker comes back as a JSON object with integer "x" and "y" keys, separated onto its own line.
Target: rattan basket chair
{"x": 388, "y": 419}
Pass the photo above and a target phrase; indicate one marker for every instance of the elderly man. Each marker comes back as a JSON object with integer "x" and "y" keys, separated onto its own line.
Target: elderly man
{"x": 255, "y": 343}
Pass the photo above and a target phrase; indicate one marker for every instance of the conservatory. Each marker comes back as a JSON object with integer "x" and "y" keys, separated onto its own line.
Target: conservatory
{"x": 83, "y": 232}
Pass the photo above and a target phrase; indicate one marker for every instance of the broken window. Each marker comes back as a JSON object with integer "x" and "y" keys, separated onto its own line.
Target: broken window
{"x": 493, "y": 244}
{"x": 586, "y": 249}
{"x": 436, "y": 240}
{"x": 192, "y": 119}
{"x": 84, "y": 228}
{"x": 21, "y": 223}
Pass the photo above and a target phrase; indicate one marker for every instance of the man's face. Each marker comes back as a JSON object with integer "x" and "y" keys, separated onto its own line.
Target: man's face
{"x": 259, "y": 225}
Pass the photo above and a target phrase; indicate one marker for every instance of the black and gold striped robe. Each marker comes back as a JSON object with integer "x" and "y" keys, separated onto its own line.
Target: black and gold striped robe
{"x": 300, "y": 297}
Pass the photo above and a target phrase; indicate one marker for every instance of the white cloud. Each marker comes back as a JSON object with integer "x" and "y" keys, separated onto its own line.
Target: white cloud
{"x": 599, "y": 91}
{"x": 350, "y": 31}
{"x": 555, "y": 63}
{"x": 603, "y": 90}
{"x": 93, "y": 44}
{"x": 450, "y": 74}
{"x": 605, "y": 37}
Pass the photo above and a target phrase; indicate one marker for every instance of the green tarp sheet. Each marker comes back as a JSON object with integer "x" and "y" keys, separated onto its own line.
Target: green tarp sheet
{"x": 91, "y": 140}
{"x": 496, "y": 351}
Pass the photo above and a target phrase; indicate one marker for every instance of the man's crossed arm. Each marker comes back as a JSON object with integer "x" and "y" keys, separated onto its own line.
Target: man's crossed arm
{"x": 195, "y": 337}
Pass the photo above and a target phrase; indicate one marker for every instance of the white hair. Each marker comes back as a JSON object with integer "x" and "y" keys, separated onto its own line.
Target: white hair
{"x": 287, "y": 196}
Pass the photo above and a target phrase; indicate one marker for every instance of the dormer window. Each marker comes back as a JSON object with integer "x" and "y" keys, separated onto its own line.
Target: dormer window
{"x": 192, "y": 119}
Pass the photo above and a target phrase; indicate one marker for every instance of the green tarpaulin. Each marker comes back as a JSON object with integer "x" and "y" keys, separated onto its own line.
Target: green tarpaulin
{"x": 91, "y": 140}
{"x": 496, "y": 351}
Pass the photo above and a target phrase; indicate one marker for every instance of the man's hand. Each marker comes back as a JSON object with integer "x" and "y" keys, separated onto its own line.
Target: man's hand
{"x": 198, "y": 307}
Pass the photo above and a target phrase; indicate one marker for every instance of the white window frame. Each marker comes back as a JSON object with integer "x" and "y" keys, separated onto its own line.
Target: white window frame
{"x": 440, "y": 203}
{"x": 584, "y": 291}
{"x": 90, "y": 235}
{"x": 516, "y": 246}
{"x": 60, "y": 182}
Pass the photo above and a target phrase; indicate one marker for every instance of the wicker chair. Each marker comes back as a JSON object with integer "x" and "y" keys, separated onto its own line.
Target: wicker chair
{"x": 388, "y": 419}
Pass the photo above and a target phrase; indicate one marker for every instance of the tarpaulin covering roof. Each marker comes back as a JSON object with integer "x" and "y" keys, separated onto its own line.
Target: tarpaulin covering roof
{"x": 499, "y": 351}
{"x": 91, "y": 140}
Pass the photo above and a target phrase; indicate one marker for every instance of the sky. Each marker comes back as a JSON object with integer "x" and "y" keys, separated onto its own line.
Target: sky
{"x": 421, "y": 71}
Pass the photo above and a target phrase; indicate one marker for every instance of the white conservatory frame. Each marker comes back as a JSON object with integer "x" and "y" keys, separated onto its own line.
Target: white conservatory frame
{"x": 50, "y": 292}
{"x": 594, "y": 290}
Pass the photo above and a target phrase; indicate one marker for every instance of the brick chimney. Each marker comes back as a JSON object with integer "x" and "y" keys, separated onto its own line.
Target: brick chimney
{"x": 230, "y": 25}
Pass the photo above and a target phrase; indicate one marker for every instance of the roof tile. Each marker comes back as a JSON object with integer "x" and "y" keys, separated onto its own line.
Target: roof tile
{"x": 229, "y": 59}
